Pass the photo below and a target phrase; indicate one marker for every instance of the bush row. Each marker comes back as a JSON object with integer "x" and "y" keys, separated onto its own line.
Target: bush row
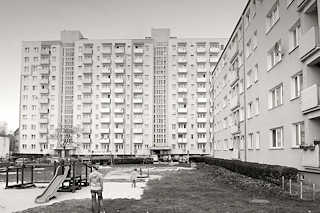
{"x": 124, "y": 161}
{"x": 270, "y": 173}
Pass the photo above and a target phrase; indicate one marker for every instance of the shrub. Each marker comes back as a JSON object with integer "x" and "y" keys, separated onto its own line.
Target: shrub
{"x": 270, "y": 173}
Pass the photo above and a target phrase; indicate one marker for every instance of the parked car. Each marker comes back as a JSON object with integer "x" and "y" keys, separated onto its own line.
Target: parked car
{"x": 21, "y": 161}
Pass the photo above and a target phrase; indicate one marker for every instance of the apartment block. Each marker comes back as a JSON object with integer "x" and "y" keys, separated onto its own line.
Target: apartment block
{"x": 264, "y": 89}
{"x": 118, "y": 96}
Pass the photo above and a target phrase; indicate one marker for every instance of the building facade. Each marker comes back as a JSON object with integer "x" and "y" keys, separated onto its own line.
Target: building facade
{"x": 117, "y": 96}
{"x": 265, "y": 86}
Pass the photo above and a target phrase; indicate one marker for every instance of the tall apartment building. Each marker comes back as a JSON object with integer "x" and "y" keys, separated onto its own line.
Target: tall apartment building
{"x": 117, "y": 96}
{"x": 265, "y": 86}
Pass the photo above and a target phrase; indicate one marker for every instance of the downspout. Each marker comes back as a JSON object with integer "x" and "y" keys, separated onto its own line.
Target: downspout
{"x": 244, "y": 92}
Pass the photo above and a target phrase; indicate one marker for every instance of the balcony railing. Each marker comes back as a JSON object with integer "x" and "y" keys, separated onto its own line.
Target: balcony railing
{"x": 182, "y": 70}
{"x": 119, "y": 70}
{"x": 137, "y": 130}
{"x": 137, "y": 90}
{"x": 309, "y": 43}
{"x": 119, "y": 100}
{"x": 118, "y": 120}
{"x": 182, "y": 110}
{"x": 201, "y": 120}
{"x": 201, "y": 80}
{"x": 214, "y": 50}
{"x": 118, "y": 90}
{"x": 138, "y": 120}
{"x": 310, "y": 99}
{"x": 137, "y": 100}
{"x": 105, "y": 120}
{"x": 201, "y": 59}
{"x": 182, "y": 90}
{"x": 118, "y": 130}
{"x": 106, "y": 60}
{"x": 137, "y": 110}
{"x": 182, "y": 130}
{"x": 138, "y": 50}
{"x": 182, "y": 49}
{"x": 201, "y": 130}
{"x": 138, "y": 60}
{"x": 234, "y": 102}
{"x": 182, "y": 140}
{"x": 202, "y": 100}
{"x": 182, "y": 120}
{"x": 234, "y": 129}
{"x": 119, "y": 60}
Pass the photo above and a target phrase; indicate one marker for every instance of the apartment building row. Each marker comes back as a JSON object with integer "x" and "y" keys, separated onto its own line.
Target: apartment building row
{"x": 265, "y": 87}
{"x": 117, "y": 96}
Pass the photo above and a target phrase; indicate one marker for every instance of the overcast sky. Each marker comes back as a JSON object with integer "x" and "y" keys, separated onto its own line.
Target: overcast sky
{"x": 44, "y": 19}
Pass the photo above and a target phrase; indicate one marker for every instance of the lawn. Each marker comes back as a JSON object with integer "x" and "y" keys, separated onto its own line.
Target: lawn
{"x": 206, "y": 189}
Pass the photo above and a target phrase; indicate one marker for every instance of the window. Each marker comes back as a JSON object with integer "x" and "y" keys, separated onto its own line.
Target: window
{"x": 296, "y": 85}
{"x": 250, "y": 110}
{"x": 257, "y": 138}
{"x": 299, "y": 134}
{"x": 257, "y": 106}
{"x": 241, "y": 114}
{"x": 274, "y": 55}
{"x": 277, "y": 137}
{"x": 26, "y": 49}
{"x": 249, "y": 79}
{"x": 275, "y": 96}
{"x": 294, "y": 36}
{"x": 255, "y": 73}
{"x": 272, "y": 16}
{"x": 251, "y": 141}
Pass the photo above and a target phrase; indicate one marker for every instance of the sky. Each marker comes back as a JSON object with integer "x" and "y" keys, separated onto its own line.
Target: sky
{"x": 27, "y": 20}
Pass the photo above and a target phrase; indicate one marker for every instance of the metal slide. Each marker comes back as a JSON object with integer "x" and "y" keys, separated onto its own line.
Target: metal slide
{"x": 53, "y": 186}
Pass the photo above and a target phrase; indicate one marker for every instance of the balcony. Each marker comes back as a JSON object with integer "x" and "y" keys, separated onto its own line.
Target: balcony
{"x": 86, "y": 130}
{"x": 234, "y": 129}
{"x": 105, "y": 120}
{"x": 106, "y": 60}
{"x": 201, "y": 130}
{"x": 138, "y": 50}
{"x": 182, "y": 80}
{"x": 202, "y": 100}
{"x": 201, "y": 80}
{"x": 118, "y": 81}
{"x": 105, "y": 110}
{"x": 138, "y": 110}
{"x": 214, "y": 50}
{"x": 182, "y": 110}
{"x": 182, "y": 140}
{"x": 119, "y": 50}
{"x": 202, "y": 120}
{"x": 119, "y": 90}
{"x": 310, "y": 45}
{"x": 202, "y": 109}
{"x": 233, "y": 76}
{"x": 44, "y": 61}
{"x": 105, "y": 80}
{"x": 201, "y": 70}
{"x": 105, "y": 140}
{"x": 182, "y": 90}
{"x": 87, "y": 51}
{"x": 45, "y": 51}
{"x": 119, "y": 100}
{"x": 119, "y": 60}
{"x": 182, "y": 60}
{"x": 106, "y": 90}
{"x": 118, "y": 120}
{"x": 44, "y": 91}
{"x": 44, "y": 81}
{"x": 182, "y": 50}
{"x": 87, "y": 110}
{"x": 106, "y": 50}
{"x": 201, "y": 90}
{"x": 44, "y": 71}
{"x": 44, "y": 100}
{"x": 201, "y": 60}
{"x": 138, "y": 60}
{"x": 86, "y": 141}
{"x": 234, "y": 102}
{"x": 119, "y": 110}
{"x": 310, "y": 99}
{"x": 87, "y": 81}
{"x": 43, "y": 131}
{"x": 44, "y": 110}
{"x": 213, "y": 59}
{"x": 137, "y": 100}
{"x": 137, "y": 70}
{"x": 137, "y": 120}
{"x": 201, "y": 49}
{"x": 119, "y": 70}
{"x": 137, "y": 90}
{"x": 182, "y": 120}
{"x": 86, "y": 120}
{"x": 310, "y": 158}
{"x": 182, "y": 130}
{"x": 118, "y": 130}
{"x": 87, "y": 60}
{"x": 86, "y": 90}
{"x": 138, "y": 80}
{"x": 202, "y": 140}
{"x": 43, "y": 120}
{"x": 118, "y": 140}
{"x": 182, "y": 70}
{"x": 137, "y": 139}
{"x": 137, "y": 131}
{"x": 182, "y": 100}
{"x": 106, "y": 100}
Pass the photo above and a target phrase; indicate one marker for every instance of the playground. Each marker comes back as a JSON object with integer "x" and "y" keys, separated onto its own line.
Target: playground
{"x": 24, "y": 188}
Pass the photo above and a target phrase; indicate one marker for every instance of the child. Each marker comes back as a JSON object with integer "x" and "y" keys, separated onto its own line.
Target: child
{"x": 96, "y": 185}
{"x": 134, "y": 176}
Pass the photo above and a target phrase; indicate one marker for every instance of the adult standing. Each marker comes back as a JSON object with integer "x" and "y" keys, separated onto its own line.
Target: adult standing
{"x": 96, "y": 186}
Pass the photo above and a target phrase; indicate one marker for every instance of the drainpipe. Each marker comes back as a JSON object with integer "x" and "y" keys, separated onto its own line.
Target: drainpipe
{"x": 244, "y": 92}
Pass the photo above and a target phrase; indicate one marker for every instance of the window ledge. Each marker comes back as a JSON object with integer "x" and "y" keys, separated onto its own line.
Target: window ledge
{"x": 295, "y": 98}
{"x": 275, "y": 107}
{"x": 276, "y": 148}
{"x": 292, "y": 50}
{"x": 295, "y": 147}
{"x": 270, "y": 29}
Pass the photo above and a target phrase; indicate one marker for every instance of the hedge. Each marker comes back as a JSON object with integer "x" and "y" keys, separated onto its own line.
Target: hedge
{"x": 130, "y": 160}
{"x": 270, "y": 173}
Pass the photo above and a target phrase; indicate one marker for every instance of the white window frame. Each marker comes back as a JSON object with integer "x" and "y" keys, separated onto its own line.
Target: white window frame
{"x": 296, "y": 85}
{"x": 251, "y": 141}
{"x": 273, "y": 96}
{"x": 299, "y": 139}
{"x": 257, "y": 140}
{"x": 278, "y": 133}
{"x": 294, "y": 36}
{"x": 274, "y": 55}
{"x": 272, "y": 16}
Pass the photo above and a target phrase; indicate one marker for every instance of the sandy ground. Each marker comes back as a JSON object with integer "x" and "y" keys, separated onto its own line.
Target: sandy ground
{"x": 116, "y": 185}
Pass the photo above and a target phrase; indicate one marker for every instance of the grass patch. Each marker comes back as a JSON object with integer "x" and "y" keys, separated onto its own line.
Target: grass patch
{"x": 207, "y": 189}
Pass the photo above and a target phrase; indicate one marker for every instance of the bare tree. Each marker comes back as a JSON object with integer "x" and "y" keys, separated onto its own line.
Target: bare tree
{"x": 64, "y": 136}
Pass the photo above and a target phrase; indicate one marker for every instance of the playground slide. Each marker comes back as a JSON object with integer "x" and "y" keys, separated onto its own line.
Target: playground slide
{"x": 53, "y": 186}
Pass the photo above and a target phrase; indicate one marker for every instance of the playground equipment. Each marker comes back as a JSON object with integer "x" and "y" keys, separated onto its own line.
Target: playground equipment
{"x": 67, "y": 178}
{"x": 20, "y": 173}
